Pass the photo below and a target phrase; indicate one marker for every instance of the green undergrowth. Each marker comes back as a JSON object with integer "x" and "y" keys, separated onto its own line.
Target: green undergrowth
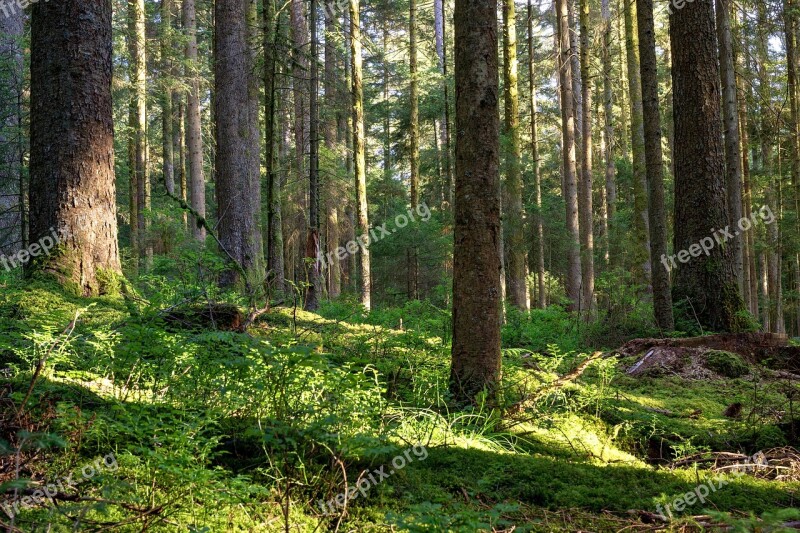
{"x": 225, "y": 431}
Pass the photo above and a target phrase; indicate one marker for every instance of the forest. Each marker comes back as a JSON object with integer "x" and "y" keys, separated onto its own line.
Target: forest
{"x": 361, "y": 265}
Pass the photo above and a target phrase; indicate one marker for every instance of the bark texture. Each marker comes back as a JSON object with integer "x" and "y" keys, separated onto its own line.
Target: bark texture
{"x": 72, "y": 142}
{"x": 705, "y": 286}
{"x": 238, "y": 189}
{"x": 662, "y": 299}
{"x": 476, "y": 360}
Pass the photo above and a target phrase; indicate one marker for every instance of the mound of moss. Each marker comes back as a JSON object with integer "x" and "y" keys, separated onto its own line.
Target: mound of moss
{"x": 726, "y": 364}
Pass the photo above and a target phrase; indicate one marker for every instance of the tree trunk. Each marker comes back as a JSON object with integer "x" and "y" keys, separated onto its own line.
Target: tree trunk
{"x": 476, "y": 359}
{"x": 705, "y": 285}
{"x": 313, "y": 263}
{"x": 538, "y": 237}
{"x": 641, "y": 255}
{"x": 514, "y": 225}
{"x": 413, "y": 263}
{"x": 733, "y": 158}
{"x": 794, "y": 123}
{"x": 585, "y": 189}
{"x": 194, "y": 139}
{"x": 72, "y": 143}
{"x": 238, "y": 190}
{"x": 138, "y": 80}
{"x": 12, "y": 196}
{"x": 168, "y": 156}
{"x": 332, "y": 200}
{"x": 662, "y": 299}
{"x": 573, "y": 275}
{"x": 359, "y": 152}
{"x": 608, "y": 118}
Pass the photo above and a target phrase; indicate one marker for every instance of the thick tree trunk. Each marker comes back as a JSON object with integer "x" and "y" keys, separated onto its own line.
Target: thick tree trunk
{"x": 573, "y": 275}
{"x": 476, "y": 359}
{"x": 194, "y": 139}
{"x": 514, "y": 225}
{"x": 641, "y": 255}
{"x": 538, "y": 237}
{"x": 662, "y": 299}
{"x": 72, "y": 142}
{"x": 585, "y": 188}
{"x": 359, "y": 151}
{"x": 12, "y": 204}
{"x": 705, "y": 285}
{"x": 238, "y": 189}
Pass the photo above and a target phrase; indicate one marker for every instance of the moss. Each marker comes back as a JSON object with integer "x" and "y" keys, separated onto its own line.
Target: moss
{"x": 726, "y": 363}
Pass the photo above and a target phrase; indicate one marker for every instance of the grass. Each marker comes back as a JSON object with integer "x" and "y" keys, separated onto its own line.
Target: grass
{"x": 223, "y": 431}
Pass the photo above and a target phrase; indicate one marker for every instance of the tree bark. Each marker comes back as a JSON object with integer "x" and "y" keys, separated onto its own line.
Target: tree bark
{"x": 573, "y": 275}
{"x": 730, "y": 113}
{"x": 538, "y": 237}
{"x": 608, "y": 118}
{"x": 72, "y": 143}
{"x": 330, "y": 134}
{"x": 138, "y": 80}
{"x": 585, "y": 192}
{"x": 168, "y": 155}
{"x": 313, "y": 263}
{"x": 641, "y": 255}
{"x": 359, "y": 151}
{"x": 706, "y": 284}
{"x": 238, "y": 190}
{"x": 662, "y": 299}
{"x": 413, "y": 262}
{"x": 513, "y": 211}
{"x": 476, "y": 359}
{"x": 12, "y": 194}
{"x": 194, "y": 139}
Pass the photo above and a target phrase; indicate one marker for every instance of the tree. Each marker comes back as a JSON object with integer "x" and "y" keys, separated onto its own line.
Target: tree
{"x": 733, "y": 156}
{"x": 140, "y": 183}
{"x": 238, "y": 188}
{"x": 274, "y": 240}
{"x": 569, "y": 163}
{"x": 641, "y": 254}
{"x": 168, "y": 155}
{"x": 514, "y": 227}
{"x": 194, "y": 139}
{"x": 608, "y": 130}
{"x": 706, "y": 284}
{"x": 413, "y": 261}
{"x": 359, "y": 151}
{"x": 330, "y": 138}
{"x": 72, "y": 142}
{"x": 585, "y": 188}
{"x": 313, "y": 263}
{"x": 476, "y": 360}
{"x": 12, "y": 204}
{"x": 538, "y": 237}
{"x": 654, "y": 164}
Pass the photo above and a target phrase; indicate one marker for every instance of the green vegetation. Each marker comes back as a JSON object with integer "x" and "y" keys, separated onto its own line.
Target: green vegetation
{"x": 217, "y": 430}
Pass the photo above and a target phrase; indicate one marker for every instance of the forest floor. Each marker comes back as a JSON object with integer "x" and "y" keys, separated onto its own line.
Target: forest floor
{"x": 127, "y": 419}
